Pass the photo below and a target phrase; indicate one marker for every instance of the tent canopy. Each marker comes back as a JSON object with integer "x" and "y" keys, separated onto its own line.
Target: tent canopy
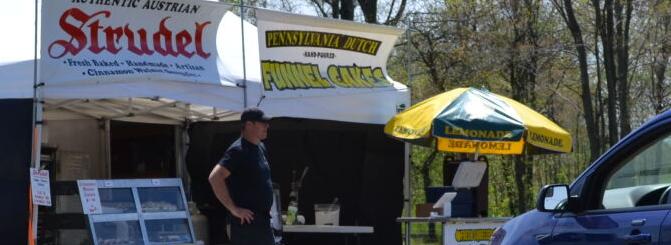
{"x": 172, "y": 102}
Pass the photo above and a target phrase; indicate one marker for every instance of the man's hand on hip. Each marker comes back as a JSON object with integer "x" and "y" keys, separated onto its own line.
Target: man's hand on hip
{"x": 245, "y": 215}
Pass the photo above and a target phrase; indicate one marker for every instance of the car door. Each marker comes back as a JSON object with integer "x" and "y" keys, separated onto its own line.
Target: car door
{"x": 623, "y": 202}
{"x": 665, "y": 231}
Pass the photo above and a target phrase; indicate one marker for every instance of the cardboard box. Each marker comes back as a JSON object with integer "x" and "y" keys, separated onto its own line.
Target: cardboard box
{"x": 425, "y": 209}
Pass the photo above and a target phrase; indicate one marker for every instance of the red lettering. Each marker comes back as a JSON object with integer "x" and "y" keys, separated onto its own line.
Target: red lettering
{"x": 94, "y": 27}
{"x": 163, "y": 41}
{"x": 75, "y": 32}
{"x": 115, "y": 34}
{"x": 199, "y": 40}
{"x": 143, "y": 41}
{"x": 167, "y": 36}
{"x": 183, "y": 39}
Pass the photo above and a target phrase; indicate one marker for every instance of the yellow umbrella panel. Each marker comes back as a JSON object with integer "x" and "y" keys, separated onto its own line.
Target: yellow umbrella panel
{"x": 541, "y": 131}
{"x": 415, "y": 122}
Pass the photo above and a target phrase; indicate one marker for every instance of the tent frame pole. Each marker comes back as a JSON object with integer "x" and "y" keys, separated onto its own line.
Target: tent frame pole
{"x": 36, "y": 126}
{"x": 107, "y": 146}
{"x": 407, "y": 198}
{"x": 407, "y": 188}
{"x": 244, "y": 62}
{"x": 184, "y": 143}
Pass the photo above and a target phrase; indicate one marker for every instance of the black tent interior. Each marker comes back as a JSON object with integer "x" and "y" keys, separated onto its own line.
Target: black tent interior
{"x": 355, "y": 163}
{"x": 15, "y": 144}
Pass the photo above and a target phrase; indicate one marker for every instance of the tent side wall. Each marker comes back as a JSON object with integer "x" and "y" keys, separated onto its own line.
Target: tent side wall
{"x": 15, "y": 150}
{"x": 77, "y": 139}
{"x": 354, "y": 162}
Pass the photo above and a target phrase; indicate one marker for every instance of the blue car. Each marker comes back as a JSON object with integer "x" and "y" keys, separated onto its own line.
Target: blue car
{"x": 624, "y": 197}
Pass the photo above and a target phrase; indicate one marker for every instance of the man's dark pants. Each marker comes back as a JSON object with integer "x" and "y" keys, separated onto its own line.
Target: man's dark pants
{"x": 255, "y": 234}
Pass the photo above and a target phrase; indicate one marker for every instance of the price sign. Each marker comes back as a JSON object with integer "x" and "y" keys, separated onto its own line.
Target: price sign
{"x": 39, "y": 180}
{"x": 90, "y": 197}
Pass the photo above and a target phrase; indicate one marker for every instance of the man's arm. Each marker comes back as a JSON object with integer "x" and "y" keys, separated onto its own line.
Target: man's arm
{"x": 218, "y": 182}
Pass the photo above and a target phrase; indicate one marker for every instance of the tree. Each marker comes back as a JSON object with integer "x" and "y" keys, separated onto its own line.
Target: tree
{"x": 522, "y": 68}
{"x": 660, "y": 52}
{"x": 623, "y": 21}
{"x": 613, "y": 21}
{"x": 344, "y": 9}
{"x": 567, "y": 12}
{"x": 427, "y": 40}
{"x": 530, "y": 56}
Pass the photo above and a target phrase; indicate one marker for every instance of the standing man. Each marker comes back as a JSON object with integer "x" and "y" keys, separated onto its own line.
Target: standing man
{"x": 241, "y": 182}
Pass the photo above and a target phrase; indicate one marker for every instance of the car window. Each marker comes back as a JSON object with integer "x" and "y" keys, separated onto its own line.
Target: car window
{"x": 642, "y": 179}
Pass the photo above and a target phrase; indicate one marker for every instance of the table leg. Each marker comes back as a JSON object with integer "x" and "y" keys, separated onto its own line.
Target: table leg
{"x": 407, "y": 233}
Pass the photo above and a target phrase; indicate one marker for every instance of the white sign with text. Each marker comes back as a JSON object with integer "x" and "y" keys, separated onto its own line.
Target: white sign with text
{"x": 129, "y": 40}
{"x": 88, "y": 193}
{"x": 39, "y": 183}
{"x": 308, "y": 56}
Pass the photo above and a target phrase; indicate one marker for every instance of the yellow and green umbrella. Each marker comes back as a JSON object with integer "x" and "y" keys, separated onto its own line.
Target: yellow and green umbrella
{"x": 470, "y": 120}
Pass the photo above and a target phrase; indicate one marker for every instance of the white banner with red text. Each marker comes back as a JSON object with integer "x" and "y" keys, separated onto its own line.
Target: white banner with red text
{"x": 87, "y": 41}
{"x": 307, "y": 56}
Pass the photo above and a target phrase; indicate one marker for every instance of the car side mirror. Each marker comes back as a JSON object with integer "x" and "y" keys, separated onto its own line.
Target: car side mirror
{"x": 553, "y": 198}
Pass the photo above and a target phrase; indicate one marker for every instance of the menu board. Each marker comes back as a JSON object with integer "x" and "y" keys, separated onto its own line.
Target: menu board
{"x": 139, "y": 211}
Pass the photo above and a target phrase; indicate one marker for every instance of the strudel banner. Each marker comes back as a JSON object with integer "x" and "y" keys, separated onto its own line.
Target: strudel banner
{"x": 90, "y": 41}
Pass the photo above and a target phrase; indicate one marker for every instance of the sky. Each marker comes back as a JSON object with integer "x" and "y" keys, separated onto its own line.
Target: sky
{"x": 17, "y": 21}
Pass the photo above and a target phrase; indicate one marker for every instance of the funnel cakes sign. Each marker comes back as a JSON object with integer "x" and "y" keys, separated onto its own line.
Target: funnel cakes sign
{"x": 308, "y": 56}
{"x": 129, "y": 40}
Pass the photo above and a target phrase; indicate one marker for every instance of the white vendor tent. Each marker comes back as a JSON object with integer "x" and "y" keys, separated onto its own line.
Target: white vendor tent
{"x": 178, "y": 102}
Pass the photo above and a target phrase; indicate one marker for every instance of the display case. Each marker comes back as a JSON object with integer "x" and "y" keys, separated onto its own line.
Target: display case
{"x": 139, "y": 211}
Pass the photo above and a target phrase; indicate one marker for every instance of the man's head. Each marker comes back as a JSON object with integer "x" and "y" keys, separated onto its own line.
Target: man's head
{"x": 254, "y": 124}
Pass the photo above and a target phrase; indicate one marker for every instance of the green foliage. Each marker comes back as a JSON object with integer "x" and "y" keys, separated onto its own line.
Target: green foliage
{"x": 508, "y": 45}
{"x": 418, "y": 157}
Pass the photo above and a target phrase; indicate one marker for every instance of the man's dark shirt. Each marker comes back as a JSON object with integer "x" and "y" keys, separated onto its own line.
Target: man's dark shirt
{"x": 249, "y": 184}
